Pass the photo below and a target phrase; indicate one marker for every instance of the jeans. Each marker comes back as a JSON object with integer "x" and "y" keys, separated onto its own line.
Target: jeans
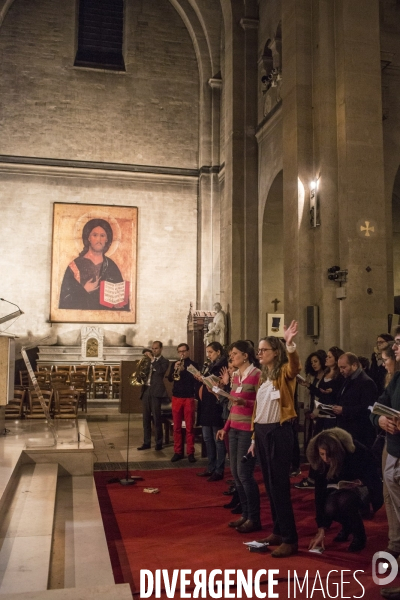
{"x": 216, "y": 450}
{"x": 249, "y": 495}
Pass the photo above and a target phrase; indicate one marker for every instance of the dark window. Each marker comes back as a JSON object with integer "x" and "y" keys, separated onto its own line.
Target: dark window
{"x": 100, "y": 34}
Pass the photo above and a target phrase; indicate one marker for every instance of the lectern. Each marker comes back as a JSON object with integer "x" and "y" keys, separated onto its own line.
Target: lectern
{"x": 7, "y": 364}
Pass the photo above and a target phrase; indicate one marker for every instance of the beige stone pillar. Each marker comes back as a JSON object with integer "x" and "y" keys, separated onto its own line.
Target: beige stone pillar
{"x": 239, "y": 215}
{"x": 360, "y": 173}
{"x": 298, "y": 170}
{"x": 208, "y": 268}
{"x": 326, "y": 236}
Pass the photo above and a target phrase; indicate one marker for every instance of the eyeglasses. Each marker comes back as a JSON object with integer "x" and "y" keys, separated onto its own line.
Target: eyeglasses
{"x": 262, "y": 350}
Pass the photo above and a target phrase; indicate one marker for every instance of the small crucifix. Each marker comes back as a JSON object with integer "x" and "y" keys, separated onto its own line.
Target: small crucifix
{"x": 275, "y": 303}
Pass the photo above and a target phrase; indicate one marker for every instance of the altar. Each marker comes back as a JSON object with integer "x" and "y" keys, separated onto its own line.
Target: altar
{"x": 91, "y": 351}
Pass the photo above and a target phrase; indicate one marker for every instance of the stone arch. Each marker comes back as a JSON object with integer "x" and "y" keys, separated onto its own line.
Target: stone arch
{"x": 272, "y": 279}
{"x": 396, "y": 238}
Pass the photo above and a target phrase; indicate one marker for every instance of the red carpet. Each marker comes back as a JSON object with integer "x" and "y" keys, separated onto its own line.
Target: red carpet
{"x": 185, "y": 527}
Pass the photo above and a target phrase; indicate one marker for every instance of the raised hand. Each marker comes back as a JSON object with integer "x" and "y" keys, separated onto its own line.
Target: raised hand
{"x": 224, "y": 374}
{"x": 290, "y": 332}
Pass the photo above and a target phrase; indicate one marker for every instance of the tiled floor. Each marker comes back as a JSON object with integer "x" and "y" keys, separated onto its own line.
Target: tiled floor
{"x": 109, "y": 433}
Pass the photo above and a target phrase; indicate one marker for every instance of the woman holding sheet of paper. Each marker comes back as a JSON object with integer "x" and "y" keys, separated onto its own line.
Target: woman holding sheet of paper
{"x": 238, "y": 428}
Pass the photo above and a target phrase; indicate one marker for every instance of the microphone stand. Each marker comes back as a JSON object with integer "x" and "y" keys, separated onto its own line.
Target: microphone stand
{"x": 128, "y": 480}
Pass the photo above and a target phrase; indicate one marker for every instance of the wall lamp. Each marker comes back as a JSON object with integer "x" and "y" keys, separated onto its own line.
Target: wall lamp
{"x": 314, "y": 204}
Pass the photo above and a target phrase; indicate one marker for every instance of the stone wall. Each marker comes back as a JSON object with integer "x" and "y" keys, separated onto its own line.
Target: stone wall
{"x": 147, "y": 115}
{"x": 55, "y": 112}
{"x": 166, "y": 252}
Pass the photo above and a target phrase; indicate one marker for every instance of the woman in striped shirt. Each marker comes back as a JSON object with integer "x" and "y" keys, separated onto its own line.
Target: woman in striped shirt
{"x": 238, "y": 427}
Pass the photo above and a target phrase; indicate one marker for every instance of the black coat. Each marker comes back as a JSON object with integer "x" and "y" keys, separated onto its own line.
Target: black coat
{"x": 209, "y": 409}
{"x": 357, "y": 465}
{"x": 355, "y": 396}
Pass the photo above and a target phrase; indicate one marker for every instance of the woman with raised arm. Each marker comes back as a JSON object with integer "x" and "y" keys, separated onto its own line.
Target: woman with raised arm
{"x": 238, "y": 428}
{"x": 273, "y": 433}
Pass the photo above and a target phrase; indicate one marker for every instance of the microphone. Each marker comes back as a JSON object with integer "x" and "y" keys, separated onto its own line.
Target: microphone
{"x": 246, "y": 457}
{"x": 13, "y": 315}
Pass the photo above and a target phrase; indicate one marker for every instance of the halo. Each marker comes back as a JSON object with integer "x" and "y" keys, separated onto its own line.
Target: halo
{"x": 97, "y": 214}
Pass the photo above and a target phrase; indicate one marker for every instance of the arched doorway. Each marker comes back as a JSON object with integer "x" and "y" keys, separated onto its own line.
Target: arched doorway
{"x": 396, "y": 240}
{"x": 272, "y": 280}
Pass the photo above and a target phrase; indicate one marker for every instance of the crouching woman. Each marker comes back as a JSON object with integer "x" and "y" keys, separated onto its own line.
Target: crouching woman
{"x": 346, "y": 482}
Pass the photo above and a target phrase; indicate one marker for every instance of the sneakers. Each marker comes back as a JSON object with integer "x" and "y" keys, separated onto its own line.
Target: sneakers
{"x": 305, "y": 484}
{"x": 295, "y": 473}
{"x": 176, "y": 457}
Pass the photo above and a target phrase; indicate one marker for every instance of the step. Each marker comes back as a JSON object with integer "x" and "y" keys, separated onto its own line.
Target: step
{"x": 26, "y": 531}
{"x": 80, "y": 554}
{"x": 120, "y": 591}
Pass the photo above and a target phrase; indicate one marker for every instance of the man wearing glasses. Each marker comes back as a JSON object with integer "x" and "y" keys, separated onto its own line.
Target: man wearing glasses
{"x": 153, "y": 394}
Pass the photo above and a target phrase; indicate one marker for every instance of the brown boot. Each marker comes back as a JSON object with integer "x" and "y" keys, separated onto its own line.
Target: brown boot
{"x": 237, "y": 523}
{"x": 272, "y": 540}
{"x": 249, "y": 527}
{"x": 284, "y": 550}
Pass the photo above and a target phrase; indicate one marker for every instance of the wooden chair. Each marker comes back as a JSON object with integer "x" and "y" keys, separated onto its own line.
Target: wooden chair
{"x": 115, "y": 380}
{"x": 82, "y": 369}
{"x": 24, "y": 379}
{"x": 14, "y": 408}
{"x": 47, "y": 368}
{"x": 100, "y": 379}
{"x": 57, "y": 378}
{"x": 35, "y": 408}
{"x": 61, "y": 369}
{"x": 78, "y": 382}
{"x": 66, "y": 404}
{"x": 42, "y": 377}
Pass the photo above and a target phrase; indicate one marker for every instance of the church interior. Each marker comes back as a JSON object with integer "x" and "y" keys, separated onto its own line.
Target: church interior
{"x": 241, "y": 152}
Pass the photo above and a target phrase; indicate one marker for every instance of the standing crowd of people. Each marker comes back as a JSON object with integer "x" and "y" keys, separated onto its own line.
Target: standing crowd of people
{"x": 354, "y": 455}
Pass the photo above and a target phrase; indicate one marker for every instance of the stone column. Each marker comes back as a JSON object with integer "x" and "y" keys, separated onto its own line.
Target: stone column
{"x": 239, "y": 231}
{"x": 208, "y": 267}
{"x": 360, "y": 173}
{"x": 326, "y": 170}
{"x": 298, "y": 170}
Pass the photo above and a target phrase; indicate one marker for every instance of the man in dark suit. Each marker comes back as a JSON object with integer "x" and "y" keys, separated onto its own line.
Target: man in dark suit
{"x": 152, "y": 396}
{"x": 358, "y": 392}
